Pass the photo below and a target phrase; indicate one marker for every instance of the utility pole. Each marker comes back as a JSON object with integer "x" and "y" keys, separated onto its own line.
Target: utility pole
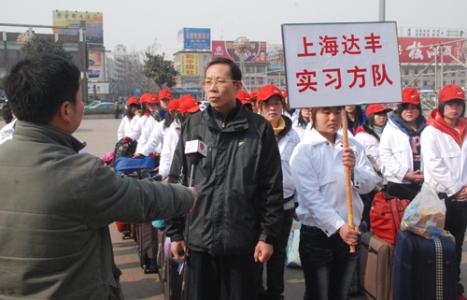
{"x": 83, "y": 61}
{"x": 382, "y": 10}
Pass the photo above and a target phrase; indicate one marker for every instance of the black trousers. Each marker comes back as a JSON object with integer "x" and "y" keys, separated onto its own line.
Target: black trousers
{"x": 275, "y": 266}
{"x": 327, "y": 265}
{"x": 230, "y": 277}
{"x": 456, "y": 220}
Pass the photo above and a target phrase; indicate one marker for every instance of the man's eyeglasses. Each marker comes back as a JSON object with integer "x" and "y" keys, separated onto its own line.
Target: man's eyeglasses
{"x": 216, "y": 82}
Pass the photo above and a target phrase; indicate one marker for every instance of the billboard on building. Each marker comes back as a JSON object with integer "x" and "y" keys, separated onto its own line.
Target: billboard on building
{"x": 275, "y": 57}
{"x": 72, "y": 20}
{"x": 423, "y": 50}
{"x": 95, "y": 64}
{"x": 195, "y": 38}
{"x": 249, "y": 52}
{"x": 189, "y": 64}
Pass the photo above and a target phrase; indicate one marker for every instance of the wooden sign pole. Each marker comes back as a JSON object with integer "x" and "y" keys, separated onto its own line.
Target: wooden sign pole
{"x": 348, "y": 177}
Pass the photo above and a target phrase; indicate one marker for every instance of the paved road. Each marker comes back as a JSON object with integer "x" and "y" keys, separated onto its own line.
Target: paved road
{"x": 100, "y": 135}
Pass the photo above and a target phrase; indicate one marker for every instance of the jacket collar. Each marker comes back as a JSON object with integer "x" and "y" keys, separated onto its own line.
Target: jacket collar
{"x": 27, "y": 131}
{"x": 396, "y": 121}
{"x": 288, "y": 127}
{"x": 458, "y": 134}
{"x": 315, "y": 138}
{"x": 236, "y": 119}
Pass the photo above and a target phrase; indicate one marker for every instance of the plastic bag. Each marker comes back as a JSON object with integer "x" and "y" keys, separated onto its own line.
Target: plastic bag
{"x": 292, "y": 255}
{"x": 425, "y": 215}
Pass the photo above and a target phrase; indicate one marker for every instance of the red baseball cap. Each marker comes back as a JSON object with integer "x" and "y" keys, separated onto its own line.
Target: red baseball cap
{"x": 149, "y": 98}
{"x": 173, "y": 104}
{"x": 267, "y": 91}
{"x": 188, "y": 104}
{"x": 411, "y": 96}
{"x": 253, "y": 94}
{"x": 375, "y": 109}
{"x": 132, "y": 100}
{"x": 165, "y": 94}
{"x": 451, "y": 92}
{"x": 244, "y": 97}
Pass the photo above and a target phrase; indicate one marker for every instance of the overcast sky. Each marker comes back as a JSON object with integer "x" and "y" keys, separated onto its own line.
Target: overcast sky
{"x": 138, "y": 23}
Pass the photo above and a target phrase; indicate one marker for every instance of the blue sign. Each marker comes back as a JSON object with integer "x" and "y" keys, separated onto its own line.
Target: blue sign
{"x": 196, "y": 38}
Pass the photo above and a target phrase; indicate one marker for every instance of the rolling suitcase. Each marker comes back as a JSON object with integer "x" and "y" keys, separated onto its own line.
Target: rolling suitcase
{"x": 173, "y": 279}
{"x": 424, "y": 269}
{"x": 376, "y": 263}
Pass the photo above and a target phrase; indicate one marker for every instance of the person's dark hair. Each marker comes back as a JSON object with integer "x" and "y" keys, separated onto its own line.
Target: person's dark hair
{"x": 6, "y": 113}
{"x": 36, "y": 87}
{"x": 235, "y": 71}
{"x": 169, "y": 118}
{"x": 441, "y": 106}
{"x": 301, "y": 120}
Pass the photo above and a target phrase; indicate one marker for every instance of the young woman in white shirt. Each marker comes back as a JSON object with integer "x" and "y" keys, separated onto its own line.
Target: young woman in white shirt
{"x": 318, "y": 171}
{"x": 399, "y": 147}
{"x": 271, "y": 106}
{"x": 132, "y": 107}
{"x": 444, "y": 153}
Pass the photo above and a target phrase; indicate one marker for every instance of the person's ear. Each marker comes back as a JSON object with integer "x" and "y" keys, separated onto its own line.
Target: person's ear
{"x": 65, "y": 111}
{"x": 238, "y": 85}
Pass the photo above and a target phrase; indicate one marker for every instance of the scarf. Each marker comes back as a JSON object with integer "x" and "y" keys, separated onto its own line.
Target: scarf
{"x": 279, "y": 128}
{"x": 458, "y": 133}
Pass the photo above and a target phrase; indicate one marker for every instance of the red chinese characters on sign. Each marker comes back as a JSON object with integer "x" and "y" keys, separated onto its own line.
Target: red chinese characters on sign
{"x": 351, "y": 45}
{"x": 328, "y": 45}
{"x": 334, "y": 77}
{"x": 305, "y": 80}
{"x": 357, "y": 78}
{"x": 306, "y": 45}
{"x": 345, "y": 44}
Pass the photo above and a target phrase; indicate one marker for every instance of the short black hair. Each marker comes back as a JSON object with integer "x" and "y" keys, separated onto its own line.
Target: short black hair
{"x": 461, "y": 102}
{"x": 37, "y": 86}
{"x": 235, "y": 71}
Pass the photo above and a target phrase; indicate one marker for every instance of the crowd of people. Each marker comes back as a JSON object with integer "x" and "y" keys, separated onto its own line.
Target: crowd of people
{"x": 265, "y": 165}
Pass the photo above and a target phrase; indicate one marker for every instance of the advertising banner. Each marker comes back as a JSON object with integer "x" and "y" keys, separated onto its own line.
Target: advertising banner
{"x": 249, "y": 52}
{"x": 190, "y": 64}
{"x": 339, "y": 64}
{"x": 423, "y": 50}
{"x": 195, "y": 38}
{"x": 71, "y": 19}
{"x": 95, "y": 61}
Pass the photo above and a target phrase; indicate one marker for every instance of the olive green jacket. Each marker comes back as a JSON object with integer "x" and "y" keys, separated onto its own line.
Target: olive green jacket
{"x": 55, "y": 208}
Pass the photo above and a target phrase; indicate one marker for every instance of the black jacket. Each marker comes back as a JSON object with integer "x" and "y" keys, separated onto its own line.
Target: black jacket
{"x": 239, "y": 183}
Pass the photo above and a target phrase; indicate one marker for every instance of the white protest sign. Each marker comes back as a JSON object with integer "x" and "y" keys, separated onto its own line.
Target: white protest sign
{"x": 341, "y": 63}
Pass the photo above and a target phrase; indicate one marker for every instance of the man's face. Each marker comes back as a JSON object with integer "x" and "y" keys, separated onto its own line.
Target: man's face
{"x": 77, "y": 111}
{"x": 219, "y": 87}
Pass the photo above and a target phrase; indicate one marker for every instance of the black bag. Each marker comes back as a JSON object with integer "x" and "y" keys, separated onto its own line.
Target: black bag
{"x": 125, "y": 147}
{"x": 173, "y": 280}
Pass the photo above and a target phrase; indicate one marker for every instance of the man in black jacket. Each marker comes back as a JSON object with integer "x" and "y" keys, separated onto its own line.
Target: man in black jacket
{"x": 239, "y": 211}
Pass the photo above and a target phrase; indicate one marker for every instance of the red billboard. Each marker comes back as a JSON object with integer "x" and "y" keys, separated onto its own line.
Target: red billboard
{"x": 247, "y": 52}
{"x": 423, "y": 50}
